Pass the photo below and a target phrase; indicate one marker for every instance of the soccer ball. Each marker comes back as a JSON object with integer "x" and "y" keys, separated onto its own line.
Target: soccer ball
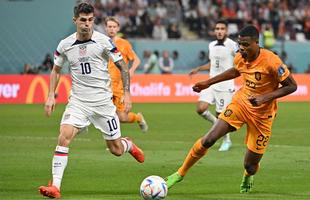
{"x": 153, "y": 187}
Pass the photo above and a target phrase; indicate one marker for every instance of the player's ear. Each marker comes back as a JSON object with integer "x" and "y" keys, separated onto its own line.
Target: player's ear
{"x": 74, "y": 20}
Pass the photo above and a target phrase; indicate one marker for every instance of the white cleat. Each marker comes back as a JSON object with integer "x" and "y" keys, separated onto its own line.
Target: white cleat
{"x": 225, "y": 146}
{"x": 143, "y": 125}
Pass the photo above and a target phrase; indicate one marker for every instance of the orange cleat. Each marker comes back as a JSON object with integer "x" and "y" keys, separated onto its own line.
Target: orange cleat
{"x": 136, "y": 152}
{"x": 50, "y": 191}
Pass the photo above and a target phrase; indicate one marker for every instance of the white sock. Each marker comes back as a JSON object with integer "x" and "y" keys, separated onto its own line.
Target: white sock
{"x": 127, "y": 144}
{"x": 59, "y": 164}
{"x": 209, "y": 116}
{"x": 226, "y": 138}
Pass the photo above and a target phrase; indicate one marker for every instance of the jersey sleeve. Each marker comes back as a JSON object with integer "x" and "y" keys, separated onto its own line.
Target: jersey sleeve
{"x": 112, "y": 51}
{"x": 130, "y": 52}
{"x": 279, "y": 68}
{"x": 59, "y": 56}
{"x": 235, "y": 47}
{"x": 237, "y": 60}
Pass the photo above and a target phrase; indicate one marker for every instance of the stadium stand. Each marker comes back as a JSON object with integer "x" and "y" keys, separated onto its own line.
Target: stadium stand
{"x": 29, "y": 38}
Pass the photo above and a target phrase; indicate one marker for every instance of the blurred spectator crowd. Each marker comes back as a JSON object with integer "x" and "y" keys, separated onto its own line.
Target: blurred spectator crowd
{"x": 191, "y": 19}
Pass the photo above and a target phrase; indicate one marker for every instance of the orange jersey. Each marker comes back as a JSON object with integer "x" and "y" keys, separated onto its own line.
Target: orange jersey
{"x": 128, "y": 54}
{"x": 260, "y": 76}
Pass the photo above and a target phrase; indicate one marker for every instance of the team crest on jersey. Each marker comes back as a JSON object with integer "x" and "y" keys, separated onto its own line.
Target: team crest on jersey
{"x": 228, "y": 112}
{"x": 82, "y": 50}
{"x": 258, "y": 76}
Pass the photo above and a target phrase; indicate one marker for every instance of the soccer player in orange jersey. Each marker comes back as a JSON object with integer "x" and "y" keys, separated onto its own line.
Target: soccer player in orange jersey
{"x": 112, "y": 28}
{"x": 265, "y": 78}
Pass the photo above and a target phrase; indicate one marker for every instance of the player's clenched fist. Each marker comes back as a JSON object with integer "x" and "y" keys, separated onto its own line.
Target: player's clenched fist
{"x": 200, "y": 86}
{"x": 49, "y": 106}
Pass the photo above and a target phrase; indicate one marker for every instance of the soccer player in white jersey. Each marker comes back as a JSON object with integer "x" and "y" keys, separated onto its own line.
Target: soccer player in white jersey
{"x": 88, "y": 53}
{"x": 221, "y": 56}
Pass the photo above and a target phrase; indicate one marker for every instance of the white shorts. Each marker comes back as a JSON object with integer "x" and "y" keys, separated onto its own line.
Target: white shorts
{"x": 220, "y": 98}
{"x": 103, "y": 117}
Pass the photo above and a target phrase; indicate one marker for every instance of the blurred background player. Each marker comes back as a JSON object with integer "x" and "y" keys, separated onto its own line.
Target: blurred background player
{"x": 221, "y": 57}
{"x": 166, "y": 63}
{"x": 255, "y": 105}
{"x": 88, "y": 52}
{"x": 112, "y": 28}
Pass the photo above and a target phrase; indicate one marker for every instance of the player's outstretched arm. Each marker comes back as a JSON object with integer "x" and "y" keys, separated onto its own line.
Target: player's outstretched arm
{"x": 123, "y": 67}
{"x": 54, "y": 79}
{"x": 226, "y": 75}
{"x": 289, "y": 86}
{"x": 200, "y": 68}
{"x": 135, "y": 64}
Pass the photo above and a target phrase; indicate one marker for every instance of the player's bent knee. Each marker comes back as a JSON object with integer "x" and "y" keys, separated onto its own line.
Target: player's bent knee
{"x": 63, "y": 140}
{"x": 67, "y": 133}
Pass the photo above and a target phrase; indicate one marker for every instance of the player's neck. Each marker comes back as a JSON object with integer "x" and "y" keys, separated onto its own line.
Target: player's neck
{"x": 84, "y": 37}
{"x": 114, "y": 38}
{"x": 250, "y": 59}
{"x": 221, "y": 41}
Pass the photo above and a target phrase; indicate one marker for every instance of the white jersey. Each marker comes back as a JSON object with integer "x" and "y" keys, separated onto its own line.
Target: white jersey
{"x": 88, "y": 63}
{"x": 221, "y": 58}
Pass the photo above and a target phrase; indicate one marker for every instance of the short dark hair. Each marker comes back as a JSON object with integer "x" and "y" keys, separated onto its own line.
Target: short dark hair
{"x": 250, "y": 31}
{"x": 83, "y": 8}
{"x": 222, "y": 21}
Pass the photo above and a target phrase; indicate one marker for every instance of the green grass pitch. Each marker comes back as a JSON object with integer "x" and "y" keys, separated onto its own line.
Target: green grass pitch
{"x": 28, "y": 139}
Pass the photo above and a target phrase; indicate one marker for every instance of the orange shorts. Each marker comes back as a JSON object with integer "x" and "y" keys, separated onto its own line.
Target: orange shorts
{"x": 118, "y": 96}
{"x": 258, "y": 129}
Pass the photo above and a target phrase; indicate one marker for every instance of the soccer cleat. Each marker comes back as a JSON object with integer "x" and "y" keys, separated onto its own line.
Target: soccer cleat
{"x": 247, "y": 184}
{"x": 225, "y": 146}
{"x": 142, "y": 124}
{"x": 173, "y": 179}
{"x": 50, "y": 191}
{"x": 136, "y": 152}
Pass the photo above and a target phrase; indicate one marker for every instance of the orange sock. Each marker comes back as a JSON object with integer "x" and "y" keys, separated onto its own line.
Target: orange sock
{"x": 195, "y": 153}
{"x": 247, "y": 174}
{"x": 133, "y": 117}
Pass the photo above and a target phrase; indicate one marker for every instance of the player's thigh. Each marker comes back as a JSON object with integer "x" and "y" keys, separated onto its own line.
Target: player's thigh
{"x": 73, "y": 120}
{"x": 218, "y": 130}
{"x": 233, "y": 115}
{"x": 106, "y": 120}
{"x": 258, "y": 134}
{"x": 222, "y": 100}
{"x": 206, "y": 97}
{"x": 76, "y": 115}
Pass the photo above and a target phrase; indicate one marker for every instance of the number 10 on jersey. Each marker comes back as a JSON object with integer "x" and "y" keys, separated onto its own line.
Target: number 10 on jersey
{"x": 86, "y": 68}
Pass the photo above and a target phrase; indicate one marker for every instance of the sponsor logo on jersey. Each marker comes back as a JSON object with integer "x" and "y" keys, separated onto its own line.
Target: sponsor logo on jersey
{"x": 250, "y": 84}
{"x": 258, "y": 76}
